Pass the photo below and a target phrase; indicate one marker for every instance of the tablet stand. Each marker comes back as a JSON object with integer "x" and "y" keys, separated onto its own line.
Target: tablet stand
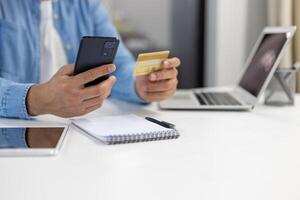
{"x": 282, "y": 88}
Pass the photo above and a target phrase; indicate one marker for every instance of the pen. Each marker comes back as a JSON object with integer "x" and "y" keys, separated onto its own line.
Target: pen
{"x": 161, "y": 123}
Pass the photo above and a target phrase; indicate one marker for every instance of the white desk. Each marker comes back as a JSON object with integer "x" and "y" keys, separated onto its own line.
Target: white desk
{"x": 220, "y": 155}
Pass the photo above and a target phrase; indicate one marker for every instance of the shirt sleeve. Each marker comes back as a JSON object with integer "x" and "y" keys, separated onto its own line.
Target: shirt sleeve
{"x": 124, "y": 88}
{"x": 13, "y": 99}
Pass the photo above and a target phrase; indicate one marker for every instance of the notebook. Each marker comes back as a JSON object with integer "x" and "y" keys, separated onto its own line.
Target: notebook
{"x": 124, "y": 129}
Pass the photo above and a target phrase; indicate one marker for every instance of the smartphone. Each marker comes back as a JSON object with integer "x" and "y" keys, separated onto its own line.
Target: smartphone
{"x": 94, "y": 52}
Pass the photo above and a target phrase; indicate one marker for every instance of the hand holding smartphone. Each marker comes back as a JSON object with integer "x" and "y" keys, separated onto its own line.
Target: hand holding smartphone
{"x": 95, "y": 52}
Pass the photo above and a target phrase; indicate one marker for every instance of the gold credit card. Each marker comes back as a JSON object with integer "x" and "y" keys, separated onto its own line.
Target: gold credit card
{"x": 150, "y": 62}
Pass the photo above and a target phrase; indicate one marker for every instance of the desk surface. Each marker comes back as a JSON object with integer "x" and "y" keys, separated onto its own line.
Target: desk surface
{"x": 220, "y": 155}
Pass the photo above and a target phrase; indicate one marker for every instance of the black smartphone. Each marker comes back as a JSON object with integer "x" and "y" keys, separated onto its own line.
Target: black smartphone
{"x": 94, "y": 52}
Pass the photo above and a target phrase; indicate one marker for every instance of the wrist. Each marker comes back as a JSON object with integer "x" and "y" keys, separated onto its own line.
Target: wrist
{"x": 139, "y": 93}
{"x": 34, "y": 101}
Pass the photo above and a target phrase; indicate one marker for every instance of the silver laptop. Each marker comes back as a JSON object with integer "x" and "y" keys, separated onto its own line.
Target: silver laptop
{"x": 260, "y": 67}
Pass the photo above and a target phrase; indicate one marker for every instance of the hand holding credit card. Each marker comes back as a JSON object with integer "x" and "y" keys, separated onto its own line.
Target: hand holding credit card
{"x": 156, "y": 76}
{"x": 150, "y": 62}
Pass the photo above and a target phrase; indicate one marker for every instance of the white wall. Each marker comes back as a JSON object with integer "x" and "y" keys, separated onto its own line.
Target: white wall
{"x": 232, "y": 29}
{"x": 142, "y": 14}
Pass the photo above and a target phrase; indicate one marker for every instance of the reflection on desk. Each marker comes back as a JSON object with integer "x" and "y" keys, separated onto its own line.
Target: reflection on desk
{"x": 19, "y": 138}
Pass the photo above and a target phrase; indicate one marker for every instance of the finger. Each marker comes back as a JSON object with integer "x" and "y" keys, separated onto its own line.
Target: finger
{"x": 161, "y": 86}
{"x": 160, "y": 96}
{"x": 96, "y": 101}
{"x": 171, "y": 63}
{"x": 91, "y": 109}
{"x": 98, "y": 90}
{"x": 93, "y": 74}
{"x": 163, "y": 75}
{"x": 66, "y": 70}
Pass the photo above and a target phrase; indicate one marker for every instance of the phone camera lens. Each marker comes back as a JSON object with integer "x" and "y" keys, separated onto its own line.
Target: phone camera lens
{"x": 109, "y": 45}
{"x": 108, "y": 49}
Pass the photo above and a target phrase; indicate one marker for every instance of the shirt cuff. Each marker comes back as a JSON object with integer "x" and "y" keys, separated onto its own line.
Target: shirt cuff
{"x": 14, "y": 101}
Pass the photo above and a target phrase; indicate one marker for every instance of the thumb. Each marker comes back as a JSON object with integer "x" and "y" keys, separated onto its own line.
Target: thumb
{"x": 171, "y": 63}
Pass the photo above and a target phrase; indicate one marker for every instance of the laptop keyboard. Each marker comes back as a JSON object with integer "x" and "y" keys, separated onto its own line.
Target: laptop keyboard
{"x": 216, "y": 98}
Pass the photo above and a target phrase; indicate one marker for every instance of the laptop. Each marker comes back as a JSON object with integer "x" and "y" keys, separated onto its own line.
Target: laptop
{"x": 260, "y": 68}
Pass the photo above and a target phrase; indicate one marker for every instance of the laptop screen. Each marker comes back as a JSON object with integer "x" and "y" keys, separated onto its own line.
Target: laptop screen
{"x": 262, "y": 63}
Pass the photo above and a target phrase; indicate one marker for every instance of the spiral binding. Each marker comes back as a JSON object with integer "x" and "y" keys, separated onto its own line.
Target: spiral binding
{"x": 143, "y": 137}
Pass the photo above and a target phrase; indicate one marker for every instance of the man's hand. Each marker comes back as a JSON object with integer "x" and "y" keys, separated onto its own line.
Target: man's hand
{"x": 65, "y": 95}
{"x": 159, "y": 85}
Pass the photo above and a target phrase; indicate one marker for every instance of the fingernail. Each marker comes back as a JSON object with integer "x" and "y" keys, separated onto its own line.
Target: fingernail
{"x": 152, "y": 77}
{"x": 167, "y": 62}
{"x": 113, "y": 78}
{"x": 112, "y": 68}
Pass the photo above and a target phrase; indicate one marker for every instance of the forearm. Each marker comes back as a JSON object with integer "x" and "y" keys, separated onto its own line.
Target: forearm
{"x": 124, "y": 88}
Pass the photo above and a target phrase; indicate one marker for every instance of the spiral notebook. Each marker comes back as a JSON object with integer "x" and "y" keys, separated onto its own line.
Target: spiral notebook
{"x": 124, "y": 129}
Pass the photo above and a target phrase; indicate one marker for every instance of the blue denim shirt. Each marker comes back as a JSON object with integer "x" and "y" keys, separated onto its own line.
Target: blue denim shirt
{"x": 20, "y": 49}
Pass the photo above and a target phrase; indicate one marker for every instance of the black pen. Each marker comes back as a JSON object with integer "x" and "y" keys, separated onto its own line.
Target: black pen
{"x": 161, "y": 123}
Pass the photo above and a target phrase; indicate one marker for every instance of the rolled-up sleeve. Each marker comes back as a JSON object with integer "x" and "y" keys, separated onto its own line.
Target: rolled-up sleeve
{"x": 13, "y": 99}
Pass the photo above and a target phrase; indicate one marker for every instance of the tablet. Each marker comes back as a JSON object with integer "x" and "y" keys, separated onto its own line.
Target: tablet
{"x": 31, "y": 141}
